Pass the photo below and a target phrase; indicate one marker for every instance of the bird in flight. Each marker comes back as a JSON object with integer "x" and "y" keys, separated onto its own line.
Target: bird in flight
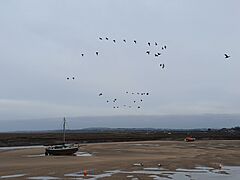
{"x": 114, "y": 40}
{"x": 148, "y": 52}
{"x": 155, "y": 43}
{"x": 124, "y": 40}
{"x": 165, "y": 47}
{"x": 106, "y": 38}
{"x": 135, "y": 41}
{"x": 227, "y": 56}
{"x": 96, "y": 53}
{"x": 69, "y": 78}
{"x": 82, "y": 54}
{"x": 100, "y": 94}
{"x": 162, "y": 65}
{"x": 159, "y": 54}
{"x": 100, "y": 38}
{"x": 149, "y": 43}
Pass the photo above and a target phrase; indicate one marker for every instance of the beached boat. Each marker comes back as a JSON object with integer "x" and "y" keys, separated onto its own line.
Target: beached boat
{"x": 62, "y": 149}
{"x": 189, "y": 139}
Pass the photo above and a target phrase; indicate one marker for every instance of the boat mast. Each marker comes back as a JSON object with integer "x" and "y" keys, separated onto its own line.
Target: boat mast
{"x": 64, "y": 128}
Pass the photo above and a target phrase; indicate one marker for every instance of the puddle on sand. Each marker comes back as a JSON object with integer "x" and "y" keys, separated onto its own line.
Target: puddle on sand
{"x": 227, "y": 173}
{"x": 12, "y": 176}
{"x": 19, "y": 147}
{"x": 148, "y": 145}
{"x": 88, "y": 176}
{"x": 43, "y": 177}
{"x": 83, "y": 154}
{"x": 35, "y": 155}
{"x": 130, "y": 176}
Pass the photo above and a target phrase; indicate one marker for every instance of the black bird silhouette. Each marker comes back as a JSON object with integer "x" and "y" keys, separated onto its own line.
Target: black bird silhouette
{"x": 82, "y": 54}
{"x": 132, "y": 93}
{"x": 138, "y": 93}
{"x": 138, "y": 107}
{"x": 226, "y": 56}
{"x": 114, "y": 40}
{"x": 68, "y": 78}
{"x": 149, "y": 43}
{"x": 135, "y": 41}
{"x": 127, "y": 92}
{"x": 100, "y": 94}
{"x": 165, "y": 47}
{"x": 96, "y": 53}
{"x": 113, "y": 106}
{"x": 159, "y": 54}
{"x": 107, "y": 101}
{"x": 156, "y": 55}
{"x": 141, "y": 100}
{"x": 134, "y": 101}
{"x": 147, "y": 94}
{"x": 162, "y": 65}
{"x": 148, "y": 52}
{"x": 100, "y": 38}
{"x": 124, "y": 40}
{"x": 155, "y": 43}
{"x": 73, "y": 78}
{"x": 106, "y": 38}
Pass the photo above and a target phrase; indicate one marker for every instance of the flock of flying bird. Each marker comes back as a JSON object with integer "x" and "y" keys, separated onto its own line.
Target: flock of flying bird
{"x": 156, "y": 54}
{"x": 135, "y": 102}
{"x": 148, "y": 52}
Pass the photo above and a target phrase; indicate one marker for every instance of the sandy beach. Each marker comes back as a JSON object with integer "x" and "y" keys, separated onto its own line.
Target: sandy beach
{"x": 100, "y": 157}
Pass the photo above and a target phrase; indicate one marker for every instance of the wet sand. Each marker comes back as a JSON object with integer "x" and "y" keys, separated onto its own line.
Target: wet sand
{"x": 101, "y": 157}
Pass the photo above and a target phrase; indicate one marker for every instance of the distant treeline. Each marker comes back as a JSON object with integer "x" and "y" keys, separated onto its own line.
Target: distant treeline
{"x": 98, "y": 135}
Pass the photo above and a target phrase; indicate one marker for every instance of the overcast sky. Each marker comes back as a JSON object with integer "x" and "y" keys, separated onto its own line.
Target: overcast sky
{"x": 41, "y": 44}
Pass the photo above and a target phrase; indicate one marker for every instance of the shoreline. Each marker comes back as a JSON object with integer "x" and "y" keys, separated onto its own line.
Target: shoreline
{"x": 122, "y": 156}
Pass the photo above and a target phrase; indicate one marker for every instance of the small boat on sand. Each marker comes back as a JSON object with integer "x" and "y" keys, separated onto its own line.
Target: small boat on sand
{"x": 62, "y": 149}
{"x": 189, "y": 139}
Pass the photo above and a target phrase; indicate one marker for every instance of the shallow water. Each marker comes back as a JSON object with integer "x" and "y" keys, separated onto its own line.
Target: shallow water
{"x": 35, "y": 155}
{"x": 198, "y": 173}
{"x": 43, "y": 178}
{"x": 12, "y": 176}
{"x": 83, "y": 154}
{"x": 19, "y": 147}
